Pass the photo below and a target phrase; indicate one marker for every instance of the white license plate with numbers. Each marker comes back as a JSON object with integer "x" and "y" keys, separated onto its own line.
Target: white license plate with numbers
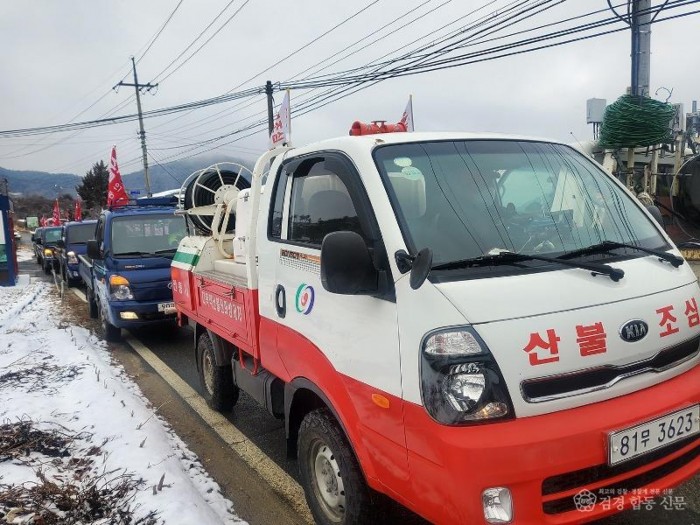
{"x": 166, "y": 308}
{"x": 641, "y": 439}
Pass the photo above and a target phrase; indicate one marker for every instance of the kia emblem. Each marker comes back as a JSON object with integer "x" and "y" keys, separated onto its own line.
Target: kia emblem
{"x": 634, "y": 330}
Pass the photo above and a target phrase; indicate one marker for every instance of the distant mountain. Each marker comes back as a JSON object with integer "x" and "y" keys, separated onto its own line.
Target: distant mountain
{"x": 166, "y": 177}
{"x": 40, "y": 182}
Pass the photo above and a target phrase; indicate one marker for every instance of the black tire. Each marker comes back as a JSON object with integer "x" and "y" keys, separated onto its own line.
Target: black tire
{"x": 91, "y": 304}
{"x": 38, "y": 259}
{"x": 47, "y": 268}
{"x": 341, "y": 496}
{"x": 110, "y": 333}
{"x": 220, "y": 392}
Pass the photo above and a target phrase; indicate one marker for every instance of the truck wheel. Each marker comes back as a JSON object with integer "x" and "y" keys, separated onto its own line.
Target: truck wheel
{"x": 38, "y": 259}
{"x": 91, "y": 304}
{"x": 333, "y": 482}
{"x": 217, "y": 381}
{"x": 47, "y": 268}
{"x": 110, "y": 332}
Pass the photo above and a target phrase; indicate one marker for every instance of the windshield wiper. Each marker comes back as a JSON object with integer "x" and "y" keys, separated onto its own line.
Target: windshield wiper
{"x": 606, "y": 246}
{"x": 506, "y": 257}
{"x": 138, "y": 254}
{"x": 164, "y": 251}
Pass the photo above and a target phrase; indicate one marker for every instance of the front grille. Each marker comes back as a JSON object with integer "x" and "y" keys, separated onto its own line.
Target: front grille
{"x": 152, "y": 291}
{"x": 582, "y": 478}
{"x": 547, "y": 388}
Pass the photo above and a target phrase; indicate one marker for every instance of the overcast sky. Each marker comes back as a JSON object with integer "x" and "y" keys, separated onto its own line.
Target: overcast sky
{"x": 61, "y": 57}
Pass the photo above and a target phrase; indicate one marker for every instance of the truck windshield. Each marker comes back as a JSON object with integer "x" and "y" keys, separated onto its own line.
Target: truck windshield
{"x": 51, "y": 234}
{"x": 80, "y": 233}
{"x": 147, "y": 234}
{"x": 466, "y": 199}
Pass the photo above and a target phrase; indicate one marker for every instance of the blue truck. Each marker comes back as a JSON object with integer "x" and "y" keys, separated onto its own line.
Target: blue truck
{"x": 126, "y": 270}
{"x": 73, "y": 243}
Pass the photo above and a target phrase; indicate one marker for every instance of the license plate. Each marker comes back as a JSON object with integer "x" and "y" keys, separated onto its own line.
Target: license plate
{"x": 641, "y": 439}
{"x": 166, "y": 308}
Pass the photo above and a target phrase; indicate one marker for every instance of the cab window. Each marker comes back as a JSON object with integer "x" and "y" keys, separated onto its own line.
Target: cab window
{"x": 317, "y": 200}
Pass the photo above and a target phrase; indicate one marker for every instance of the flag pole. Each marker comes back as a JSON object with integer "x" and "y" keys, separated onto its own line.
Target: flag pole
{"x": 410, "y": 99}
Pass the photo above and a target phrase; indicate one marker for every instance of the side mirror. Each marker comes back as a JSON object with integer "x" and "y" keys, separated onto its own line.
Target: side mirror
{"x": 38, "y": 240}
{"x": 346, "y": 265}
{"x": 60, "y": 243}
{"x": 93, "y": 249}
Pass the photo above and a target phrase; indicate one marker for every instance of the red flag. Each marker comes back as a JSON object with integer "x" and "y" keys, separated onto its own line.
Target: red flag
{"x": 42, "y": 222}
{"x": 116, "y": 193}
{"x": 78, "y": 210}
{"x": 56, "y": 214}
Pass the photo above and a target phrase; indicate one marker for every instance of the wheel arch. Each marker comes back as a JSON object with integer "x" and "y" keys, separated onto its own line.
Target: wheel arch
{"x": 223, "y": 350}
{"x": 302, "y": 396}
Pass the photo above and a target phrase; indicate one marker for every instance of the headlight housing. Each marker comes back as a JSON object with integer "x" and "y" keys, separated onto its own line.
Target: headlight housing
{"x": 72, "y": 259}
{"x": 48, "y": 252}
{"x": 460, "y": 380}
{"x": 119, "y": 288}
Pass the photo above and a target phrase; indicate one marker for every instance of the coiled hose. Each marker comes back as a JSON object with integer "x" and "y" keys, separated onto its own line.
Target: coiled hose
{"x": 633, "y": 121}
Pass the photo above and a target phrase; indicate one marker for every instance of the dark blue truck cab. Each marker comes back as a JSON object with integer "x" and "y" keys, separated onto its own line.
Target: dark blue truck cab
{"x": 127, "y": 267}
{"x": 73, "y": 243}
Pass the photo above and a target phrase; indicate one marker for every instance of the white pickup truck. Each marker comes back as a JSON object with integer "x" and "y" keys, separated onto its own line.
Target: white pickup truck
{"x": 488, "y": 329}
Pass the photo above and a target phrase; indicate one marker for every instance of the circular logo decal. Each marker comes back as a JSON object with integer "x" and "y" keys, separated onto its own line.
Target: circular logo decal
{"x": 305, "y": 298}
{"x": 634, "y": 330}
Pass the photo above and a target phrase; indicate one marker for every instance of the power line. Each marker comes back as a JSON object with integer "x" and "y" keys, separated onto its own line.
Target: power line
{"x": 158, "y": 33}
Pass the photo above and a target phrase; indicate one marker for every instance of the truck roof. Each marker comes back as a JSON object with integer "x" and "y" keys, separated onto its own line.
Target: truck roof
{"x": 78, "y": 223}
{"x": 140, "y": 210}
{"x": 371, "y": 141}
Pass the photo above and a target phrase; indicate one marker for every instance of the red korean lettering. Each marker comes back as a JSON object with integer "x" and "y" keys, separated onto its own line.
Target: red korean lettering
{"x": 691, "y": 312}
{"x": 591, "y": 339}
{"x": 667, "y": 320}
{"x": 551, "y": 345}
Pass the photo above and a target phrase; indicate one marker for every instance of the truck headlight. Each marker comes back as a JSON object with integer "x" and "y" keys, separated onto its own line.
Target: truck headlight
{"x": 48, "y": 252}
{"x": 119, "y": 288}
{"x": 460, "y": 380}
{"x": 72, "y": 259}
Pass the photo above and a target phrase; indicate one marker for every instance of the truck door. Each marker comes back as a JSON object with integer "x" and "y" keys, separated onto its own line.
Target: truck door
{"x": 347, "y": 345}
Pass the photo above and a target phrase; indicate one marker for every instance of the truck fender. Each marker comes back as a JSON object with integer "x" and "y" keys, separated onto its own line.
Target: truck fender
{"x": 302, "y": 396}
{"x": 223, "y": 350}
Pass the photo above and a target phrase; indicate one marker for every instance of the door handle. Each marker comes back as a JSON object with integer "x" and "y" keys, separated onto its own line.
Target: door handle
{"x": 280, "y": 301}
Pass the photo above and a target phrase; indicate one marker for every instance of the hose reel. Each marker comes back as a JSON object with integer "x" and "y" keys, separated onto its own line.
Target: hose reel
{"x": 212, "y": 193}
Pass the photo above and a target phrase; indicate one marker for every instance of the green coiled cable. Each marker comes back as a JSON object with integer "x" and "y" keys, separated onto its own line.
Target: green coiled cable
{"x": 633, "y": 121}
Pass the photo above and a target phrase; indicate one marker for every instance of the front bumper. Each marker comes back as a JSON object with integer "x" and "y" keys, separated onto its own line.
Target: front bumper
{"x": 146, "y": 311}
{"x": 546, "y": 461}
{"x": 72, "y": 270}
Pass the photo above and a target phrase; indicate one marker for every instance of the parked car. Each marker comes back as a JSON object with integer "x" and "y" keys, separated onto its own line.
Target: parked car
{"x": 49, "y": 238}
{"x": 36, "y": 244}
{"x": 74, "y": 238}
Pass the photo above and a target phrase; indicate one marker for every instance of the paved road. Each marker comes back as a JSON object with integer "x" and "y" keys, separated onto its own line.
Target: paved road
{"x": 174, "y": 347}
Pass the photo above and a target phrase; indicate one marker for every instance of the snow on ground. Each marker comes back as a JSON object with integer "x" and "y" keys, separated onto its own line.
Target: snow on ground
{"x": 60, "y": 377}
{"x": 24, "y": 253}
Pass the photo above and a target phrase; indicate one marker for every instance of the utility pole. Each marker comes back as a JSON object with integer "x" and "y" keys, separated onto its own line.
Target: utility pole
{"x": 270, "y": 114}
{"x": 640, "y": 23}
{"x": 142, "y": 132}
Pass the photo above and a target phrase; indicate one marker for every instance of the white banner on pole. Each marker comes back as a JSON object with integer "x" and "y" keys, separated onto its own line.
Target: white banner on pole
{"x": 282, "y": 125}
{"x": 407, "y": 117}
